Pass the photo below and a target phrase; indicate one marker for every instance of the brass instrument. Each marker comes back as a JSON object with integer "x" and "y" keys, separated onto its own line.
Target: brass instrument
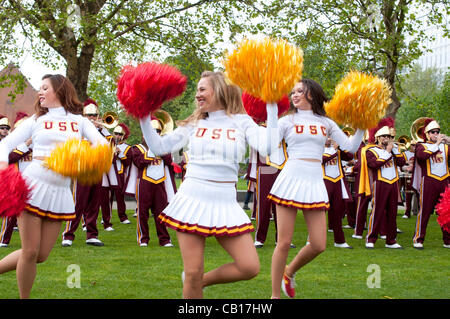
{"x": 415, "y": 128}
{"x": 166, "y": 121}
{"x": 110, "y": 120}
{"x": 403, "y": 143}
{"x": 349, "y": 131}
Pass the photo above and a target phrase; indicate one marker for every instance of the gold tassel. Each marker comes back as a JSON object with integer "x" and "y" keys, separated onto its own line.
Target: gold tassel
{"x": 79, "y": 160}
{"x": 266, "y": 69}
{"x": 360, "y": 100}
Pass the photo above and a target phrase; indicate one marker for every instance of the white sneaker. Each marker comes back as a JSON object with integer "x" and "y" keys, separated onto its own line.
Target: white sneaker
{"x": 135, "y": 215}
{"x": 399, "y": 231}
{"x": 330, "y": 230}
{"x": 356, "y": 236}
{"x": 3, "y": 245}
{"x": 183, "y": 276}
{"x": 347, "y": 227}
{"x": 393, "y": 246}
{"x": 84, "y": 228}
{"x": 168, "y": 245}
{"x": 94, "y": 242}
{"x": 126, "y": 221}
{"x": 344, "y": 245}
{"x": 109, "y": 229}
{"x": 370, "y": 245}
{"x": 383, "y": 237}
{"x": 418, "y": 245}
{"x": 143, "y": 245}
{"x": 405, "y": 217}
{"x": 66, "y": 243}
{"x": 258, "y": 244}
{"x": 446, "y": 246}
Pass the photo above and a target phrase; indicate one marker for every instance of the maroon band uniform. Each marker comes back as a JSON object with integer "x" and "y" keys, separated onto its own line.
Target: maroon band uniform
{"x": 385, "y": 190}
{"x": 430, "y": 178}
{"x": 337, "y": 189}
{"x": 150, "y": 194}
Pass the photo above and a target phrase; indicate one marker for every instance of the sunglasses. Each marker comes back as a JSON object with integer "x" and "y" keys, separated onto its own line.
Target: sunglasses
{"x": 121, "y": 134}
{"x": 386, "y": 136}
{"x": 4, "y": 128}
{"x": 434, "y": 132}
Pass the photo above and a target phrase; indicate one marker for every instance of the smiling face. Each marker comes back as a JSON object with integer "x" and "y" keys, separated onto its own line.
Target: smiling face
{"x": 298, "y": 97}
{"x": 47, "y": 95}
{"x": 205, "y": 96}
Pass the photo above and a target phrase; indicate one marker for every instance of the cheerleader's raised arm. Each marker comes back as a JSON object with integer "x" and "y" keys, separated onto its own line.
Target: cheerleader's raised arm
{"x": 351, "y": 144}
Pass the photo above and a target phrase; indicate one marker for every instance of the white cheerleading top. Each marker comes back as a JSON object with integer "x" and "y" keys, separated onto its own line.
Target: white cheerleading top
{"x": 217, "y": 144}
{"x": 48, "y": 130}
{"x": 305, "y": 134}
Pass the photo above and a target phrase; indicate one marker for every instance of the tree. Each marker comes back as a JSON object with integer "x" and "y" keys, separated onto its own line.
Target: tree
{"x": 94, "y": 38}
{"x": 383, "y": 37}
{"x": 423, "y": 93}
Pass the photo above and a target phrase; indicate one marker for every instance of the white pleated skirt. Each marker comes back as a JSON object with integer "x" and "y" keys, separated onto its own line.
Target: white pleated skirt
{"x": 206, "y": 208}
{"x": 51, "y": 196}
{"x": 300, "y": 185}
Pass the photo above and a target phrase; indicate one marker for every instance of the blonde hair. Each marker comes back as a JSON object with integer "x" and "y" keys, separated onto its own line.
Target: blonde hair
{"x": 228, "y": 96}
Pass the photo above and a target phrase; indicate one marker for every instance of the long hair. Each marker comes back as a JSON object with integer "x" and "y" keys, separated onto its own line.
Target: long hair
{"x": 66, "y": 93}
{"x": 227, "y": 96}
{"x": 315, "y": 95}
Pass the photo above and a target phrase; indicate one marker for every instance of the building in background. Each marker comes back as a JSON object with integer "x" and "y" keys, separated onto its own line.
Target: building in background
{"x": 23, "y": 102}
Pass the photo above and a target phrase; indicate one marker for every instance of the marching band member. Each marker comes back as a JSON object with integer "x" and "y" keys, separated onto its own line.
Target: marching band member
{"x": 151, "y": 192}
{"x": 58, "y": 118}
{"x": 362, "y": 200}
{"x": 121, "y": 164}
{"x": 380, "y": 176}
{"x": 267, "y": 170}
{"x": 5, "y": 126}
{"x": 88, "y": 198}
{"x": 206, "y": 204}
{"x": 337, "y": 189}
{"x": 300, "y": 184}
{"x": 410, "y": 194}
{"x": 22, "y": 157}
{"x": 430, "y": 178}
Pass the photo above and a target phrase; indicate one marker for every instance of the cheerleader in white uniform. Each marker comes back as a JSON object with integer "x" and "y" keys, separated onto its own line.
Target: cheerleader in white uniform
{"x": 58, "y": 118}
{"x": 300, "y": 184}
{"x": 217, "y": 134}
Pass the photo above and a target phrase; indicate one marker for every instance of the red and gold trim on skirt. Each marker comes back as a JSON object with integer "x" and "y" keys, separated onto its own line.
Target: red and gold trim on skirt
{"x": 50, "y": 215}
{"x": 304, "y": 206}
{"x": 204, "y": 230}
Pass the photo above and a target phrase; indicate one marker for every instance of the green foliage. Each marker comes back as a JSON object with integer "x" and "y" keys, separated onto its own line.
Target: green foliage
{"x": 424, "y": 93}
{"x": 122, "y": 270}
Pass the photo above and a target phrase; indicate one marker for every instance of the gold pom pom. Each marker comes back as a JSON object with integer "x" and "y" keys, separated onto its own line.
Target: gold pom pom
{"x": 266, "y": 69}
{"x": 360, "y": 100}
{"x": 79, "y": 160}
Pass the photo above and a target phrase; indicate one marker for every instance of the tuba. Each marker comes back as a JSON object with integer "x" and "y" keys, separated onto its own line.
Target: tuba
{"x": 166, "y": 121}
{"x": 110, "y": 120}
{"x": 416, "y": 127}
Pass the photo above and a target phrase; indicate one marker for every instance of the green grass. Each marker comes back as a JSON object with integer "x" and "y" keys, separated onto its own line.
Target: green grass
{"x": 122, "y": 270}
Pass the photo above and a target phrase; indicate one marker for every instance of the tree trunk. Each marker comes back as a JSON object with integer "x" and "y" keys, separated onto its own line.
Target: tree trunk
{"x": 78, "y": 69}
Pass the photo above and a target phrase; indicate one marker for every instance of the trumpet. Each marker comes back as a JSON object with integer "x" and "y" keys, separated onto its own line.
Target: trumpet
{"x": 403, "y": 143}
{"x": 110, "y": 120}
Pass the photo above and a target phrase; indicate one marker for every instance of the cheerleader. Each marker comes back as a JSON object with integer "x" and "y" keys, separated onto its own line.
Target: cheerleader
{"x": 206, "y": 203}
{"x": 58, "y": 118}
{"x": 300, "y": 184}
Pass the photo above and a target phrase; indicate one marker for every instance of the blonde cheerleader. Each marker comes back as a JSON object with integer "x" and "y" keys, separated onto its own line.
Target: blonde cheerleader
{"x": 217, "y": 134}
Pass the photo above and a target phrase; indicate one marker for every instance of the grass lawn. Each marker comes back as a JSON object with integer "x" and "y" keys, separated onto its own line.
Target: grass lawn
{"x": 122, "y": 270}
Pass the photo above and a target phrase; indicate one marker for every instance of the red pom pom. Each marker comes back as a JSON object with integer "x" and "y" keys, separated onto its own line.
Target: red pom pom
{"x": 14, "y": 192}
{"x": 443, "y": 210}
{"x": 256, "y": 107}
{"x": 144, "y": 88}
{"x": 176, "y": 168}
